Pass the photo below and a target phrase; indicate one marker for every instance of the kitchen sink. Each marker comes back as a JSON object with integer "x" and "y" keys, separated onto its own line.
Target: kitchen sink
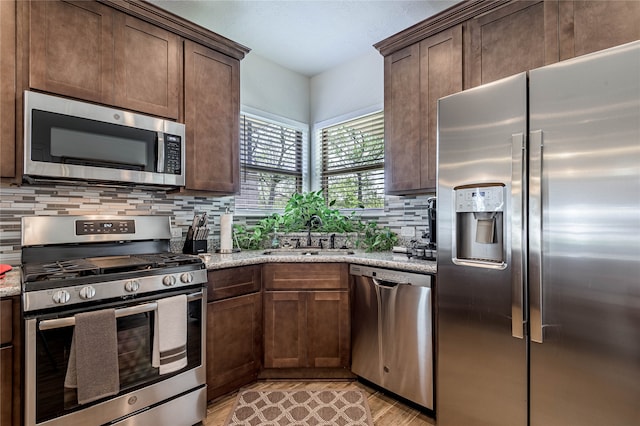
{"x": 309, "y": 252}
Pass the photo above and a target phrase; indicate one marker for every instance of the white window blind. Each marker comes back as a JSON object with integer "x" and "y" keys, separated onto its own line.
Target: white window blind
{"x": 270, "y": 163}
{"x": 353, "y": 162}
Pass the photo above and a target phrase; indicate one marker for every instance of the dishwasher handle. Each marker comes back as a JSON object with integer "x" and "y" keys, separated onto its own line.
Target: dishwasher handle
{"x": 391, "y": 277}
{"x": 386, "y": 283}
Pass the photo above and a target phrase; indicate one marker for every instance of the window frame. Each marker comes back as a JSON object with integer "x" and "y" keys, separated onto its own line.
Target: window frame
{"x": 317, "y": 159}
{"x": 303, "y": 128}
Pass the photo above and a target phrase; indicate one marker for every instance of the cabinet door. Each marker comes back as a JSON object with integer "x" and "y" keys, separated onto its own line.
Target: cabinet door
{"x": 234, "y": 343}
{"x": 71, "y": 49}
{"x": 6, "y": 324}
{"x": 285, "y": 334}
{"x": 8, "y": 311}
{"x": 7, "y": 88}
{"x": 147, "y": 67}
{"x": 328, "y": 329}
{"x": 6, "y": 385}
{"x": 589, "y": 26}
{"x": 415, "y": 78}
{"x": 212, "y": 117}
{"x": 440, "y": 75}
{"x": 402, "y": 120}
{"x": 510, "y": 39}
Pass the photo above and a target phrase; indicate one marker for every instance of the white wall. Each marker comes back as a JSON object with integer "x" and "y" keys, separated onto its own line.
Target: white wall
{"x": 268, "y": 87}
{"x": 353, "y": 86}
{"x": 356, "y": 85}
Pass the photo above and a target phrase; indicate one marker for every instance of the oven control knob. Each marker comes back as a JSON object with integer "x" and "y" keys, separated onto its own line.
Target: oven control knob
{"x": 61, "y": 296}
{"x": 186, "y": 278}
{"x": 87, "y": 292}
{"x": 132, "y": 286}
{"x": 169, "y": 280}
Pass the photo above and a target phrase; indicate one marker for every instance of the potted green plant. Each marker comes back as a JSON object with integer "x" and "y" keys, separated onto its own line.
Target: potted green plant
{"x": 307, "y": 212}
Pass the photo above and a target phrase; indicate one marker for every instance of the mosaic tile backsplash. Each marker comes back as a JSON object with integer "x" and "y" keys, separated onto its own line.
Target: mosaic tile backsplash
{"x": 16, "y": 202}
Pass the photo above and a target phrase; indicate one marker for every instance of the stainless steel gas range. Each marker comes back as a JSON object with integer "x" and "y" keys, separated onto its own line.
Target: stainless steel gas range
{"x": 78, "y": 266}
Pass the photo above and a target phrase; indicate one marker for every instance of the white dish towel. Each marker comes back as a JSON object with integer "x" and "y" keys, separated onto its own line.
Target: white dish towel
{"x": 170, "y": 334}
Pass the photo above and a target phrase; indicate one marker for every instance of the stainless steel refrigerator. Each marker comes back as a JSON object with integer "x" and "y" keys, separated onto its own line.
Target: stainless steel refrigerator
{"x": 538, "y": 285}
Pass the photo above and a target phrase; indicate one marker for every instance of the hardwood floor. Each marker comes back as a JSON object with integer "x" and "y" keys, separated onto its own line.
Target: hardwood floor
{"x": 385, "y": 410}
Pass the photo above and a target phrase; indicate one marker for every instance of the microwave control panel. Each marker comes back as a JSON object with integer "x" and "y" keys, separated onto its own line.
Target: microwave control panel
{"x": 172, "y": 154}
{"x": 480, "y": 199}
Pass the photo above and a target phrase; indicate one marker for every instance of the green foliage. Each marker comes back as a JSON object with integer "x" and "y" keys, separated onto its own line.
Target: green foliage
{"x": 375, "y": 238}
{"x": 310, "y": 211}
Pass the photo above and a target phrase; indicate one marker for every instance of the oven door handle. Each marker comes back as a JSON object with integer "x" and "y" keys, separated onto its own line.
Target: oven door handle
{"x": 122, "y": 312}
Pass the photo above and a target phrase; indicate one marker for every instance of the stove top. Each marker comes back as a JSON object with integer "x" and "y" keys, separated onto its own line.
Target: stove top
{"x": 73, "y": 260}
{"x": 94, "y": 266}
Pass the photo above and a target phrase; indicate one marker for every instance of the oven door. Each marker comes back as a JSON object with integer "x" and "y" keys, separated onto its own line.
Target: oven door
{"x": 142, "y": 388}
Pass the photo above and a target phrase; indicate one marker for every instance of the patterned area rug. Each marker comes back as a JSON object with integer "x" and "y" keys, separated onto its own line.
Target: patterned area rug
{"x": 300, "y": 407}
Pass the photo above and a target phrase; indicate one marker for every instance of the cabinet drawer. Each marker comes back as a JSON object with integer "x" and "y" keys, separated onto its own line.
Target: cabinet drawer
{"x": 305, "y": 276}
{"x": 225, "y": 283}
{"x": 6, "y": 321}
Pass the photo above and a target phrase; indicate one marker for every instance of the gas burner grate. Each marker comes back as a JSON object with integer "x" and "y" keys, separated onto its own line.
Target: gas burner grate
{"x": 60, "y": 270}
{"x": 171, "y": 259}
{"x": 105, "y": 265}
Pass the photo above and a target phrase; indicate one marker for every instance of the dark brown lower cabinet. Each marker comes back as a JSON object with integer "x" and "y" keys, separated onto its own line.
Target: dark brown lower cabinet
{"x": 6, "y": 385}
{"x": 234, "y": 329}
{"x": 234, "y": 343}
{"x": 328, "y": 329}
{"x": 309, "y": 325}
{"x": 10, "y": 365}
{"x": 306, "y": 329}
{"x": 285, "y": 337}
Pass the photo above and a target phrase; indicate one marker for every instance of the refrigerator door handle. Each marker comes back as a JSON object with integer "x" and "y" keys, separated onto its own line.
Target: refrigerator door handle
{"x": 535, "y": 235}
{"x": 518, "y": 170}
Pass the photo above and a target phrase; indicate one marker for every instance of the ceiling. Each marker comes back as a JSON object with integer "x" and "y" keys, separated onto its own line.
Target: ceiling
{"x": 306, "y": 36}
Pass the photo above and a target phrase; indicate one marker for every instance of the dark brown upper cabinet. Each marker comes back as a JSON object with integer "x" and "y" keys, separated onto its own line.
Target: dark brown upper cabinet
{"x": 414, "y": 79}
{"x": 589, "y": 26}
{"x": 473, "y": 43}
{"x": 7, "y": 88}
{"x": 516, "y": 37}
{"x": 212, "y": 119}
{"x": 89, "y": 51}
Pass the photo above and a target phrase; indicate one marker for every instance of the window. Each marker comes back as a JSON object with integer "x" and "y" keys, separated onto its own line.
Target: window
{"x": 270, "y": 163}
{"x": 353, "y": 162}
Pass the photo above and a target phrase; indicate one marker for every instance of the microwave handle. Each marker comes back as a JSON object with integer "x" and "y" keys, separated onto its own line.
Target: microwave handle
{"x": 160, "y": 167}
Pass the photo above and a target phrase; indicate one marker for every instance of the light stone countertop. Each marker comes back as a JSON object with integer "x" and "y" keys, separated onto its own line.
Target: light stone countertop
{"x": 379, "y": 259}
{"x": 11, "y": 285}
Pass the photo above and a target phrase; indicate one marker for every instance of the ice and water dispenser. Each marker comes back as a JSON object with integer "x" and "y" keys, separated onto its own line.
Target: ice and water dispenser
{"x": 478, "y": 226}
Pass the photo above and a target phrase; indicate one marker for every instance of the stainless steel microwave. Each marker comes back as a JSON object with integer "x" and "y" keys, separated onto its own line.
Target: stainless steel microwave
{"x": 71, "y": 140}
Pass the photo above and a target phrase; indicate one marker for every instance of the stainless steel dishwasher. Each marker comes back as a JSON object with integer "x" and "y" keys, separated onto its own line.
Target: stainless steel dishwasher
{"x": 392, "y": 339}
